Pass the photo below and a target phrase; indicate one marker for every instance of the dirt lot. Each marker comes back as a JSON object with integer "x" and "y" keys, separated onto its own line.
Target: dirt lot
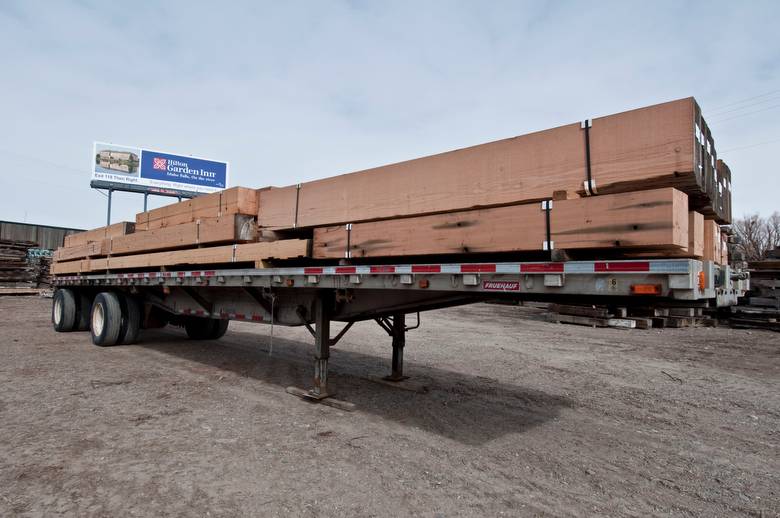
{"x": 520, "y": 418}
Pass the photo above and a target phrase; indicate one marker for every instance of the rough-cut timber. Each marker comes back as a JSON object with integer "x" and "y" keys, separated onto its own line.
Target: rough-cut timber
{"x": 98, "y": 234}
{"x": 724, "y": 191}
{"x": 724, "y": 248}
{"x": 250, "y": 252}
{"x": 486, "y": 230}
{"x": 234, "y": 228}
{"x": 695, "y": 234}
{"x": 89, "y": 249}
{"x": 236, "y": 200}
{"x": 652, "y": 147}
{"x": 207, "y": 231}
{"x": 656, "y": 219}
{"x": 712, "y": 242}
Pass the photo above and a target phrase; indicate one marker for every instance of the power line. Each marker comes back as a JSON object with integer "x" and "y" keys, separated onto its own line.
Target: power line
{"x": 70, "y": 169}
{"x": 748, "y": 113}
{"x": 750, "y": 145}
{"x": 745, "y": 100}
{"x": 767, "y": 100}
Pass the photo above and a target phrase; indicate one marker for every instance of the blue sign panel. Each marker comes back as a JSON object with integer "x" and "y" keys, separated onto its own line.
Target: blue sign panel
{"x": 193, "y": 172}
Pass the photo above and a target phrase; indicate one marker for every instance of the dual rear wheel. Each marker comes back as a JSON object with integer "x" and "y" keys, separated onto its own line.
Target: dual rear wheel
{"x": 199, "y": 328}
{"x": 115, "y": 318}
{"x": 112, "y": 318}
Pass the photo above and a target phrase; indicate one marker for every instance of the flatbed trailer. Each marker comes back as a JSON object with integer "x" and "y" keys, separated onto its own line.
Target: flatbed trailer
{"x": 115, "y": 306}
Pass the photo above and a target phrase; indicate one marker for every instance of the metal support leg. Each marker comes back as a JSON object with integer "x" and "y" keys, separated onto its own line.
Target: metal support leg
{"x": 321, "y": 346}
{"x": 108, "y": 215}
{"x": 399, "y": 341}
{"x": 146, "y": 199}
{"x": 321, "y": 393}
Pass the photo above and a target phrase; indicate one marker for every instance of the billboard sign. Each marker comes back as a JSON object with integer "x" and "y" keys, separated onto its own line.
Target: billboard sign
{"x": 145, "y": 170}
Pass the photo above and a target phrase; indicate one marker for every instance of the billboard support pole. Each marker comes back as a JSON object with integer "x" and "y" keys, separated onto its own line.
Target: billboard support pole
{"x": 146, "y": 197}
{"x": 108, "y": 215}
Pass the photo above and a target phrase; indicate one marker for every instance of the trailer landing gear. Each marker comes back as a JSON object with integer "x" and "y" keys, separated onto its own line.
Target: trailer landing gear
{"x": 320, "y": 392}
{"x": 396, "y": 328}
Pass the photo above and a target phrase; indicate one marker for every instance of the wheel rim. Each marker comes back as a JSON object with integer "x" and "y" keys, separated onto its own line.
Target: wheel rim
{"x": 98, "y": 320}
{"x": 58, "y": 311}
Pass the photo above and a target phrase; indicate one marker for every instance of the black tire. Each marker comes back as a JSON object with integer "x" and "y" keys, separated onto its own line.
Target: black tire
{"x": 83, "y": 312}
{"x": 131, "y": 320}
{"x": 199, "y": 328}
{"x": 219, "y": 328}
{"x": 63, "y": 310}
{"x": 105, "y": 319}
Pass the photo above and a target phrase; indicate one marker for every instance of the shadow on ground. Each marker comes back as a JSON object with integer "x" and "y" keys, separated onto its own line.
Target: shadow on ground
{"x": 468, "y": 409}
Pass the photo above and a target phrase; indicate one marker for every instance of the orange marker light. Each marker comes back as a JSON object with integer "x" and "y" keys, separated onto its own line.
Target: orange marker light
{"x": 646, "y": 289}
{"x": 702, "y": 281}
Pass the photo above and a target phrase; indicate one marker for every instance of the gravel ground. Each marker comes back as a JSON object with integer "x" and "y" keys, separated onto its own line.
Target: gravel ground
{"x": 504, "y": 415}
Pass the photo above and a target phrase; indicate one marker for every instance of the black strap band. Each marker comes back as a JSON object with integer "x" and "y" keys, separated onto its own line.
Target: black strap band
{"x": 348, "y": 253}
{"x": 297, "y": 198}
{"x": 547, "y": 226}
{"x": 589, "y": 185}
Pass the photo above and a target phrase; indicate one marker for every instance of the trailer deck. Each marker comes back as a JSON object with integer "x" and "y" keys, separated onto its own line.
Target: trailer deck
{"x": 314, "y": 296}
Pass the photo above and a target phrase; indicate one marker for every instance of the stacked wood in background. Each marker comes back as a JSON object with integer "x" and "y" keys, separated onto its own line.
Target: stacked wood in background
{"x": 41, "y": 265}
{"x": 761, "y": 308}
{"x": 15, "y": 269}
{"x": 636, "y": 317}
{"x": 592, "y": 316}
{"x": 646, "y": 182}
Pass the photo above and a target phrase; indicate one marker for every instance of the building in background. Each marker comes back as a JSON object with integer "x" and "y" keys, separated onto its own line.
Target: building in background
{"x": 46, "y": 236}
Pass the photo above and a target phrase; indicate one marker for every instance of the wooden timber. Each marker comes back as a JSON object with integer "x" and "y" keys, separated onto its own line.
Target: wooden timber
{"x": 695, "y": 234}
{"x": 88, "y": 249}
{"x": 207, "y": 231}
{"x": 234, "y": 228}
{"x": 117, "y": 229}
{"x": 250, "y": 252}
{"x": 647, "y": 148}
{"x": 644, "y": 219}
{"x": 236, "y": 200}
{"x": 486, "y": 230}
{"x": 724, "y": 192}
{"x": 650, "y": 219}
{"x": 712, "y": 242}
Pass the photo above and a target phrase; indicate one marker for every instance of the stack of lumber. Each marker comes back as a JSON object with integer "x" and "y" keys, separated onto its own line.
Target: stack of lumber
{"x": 41, "y": 266}
{"x": 213, "y": 229}
{"x": 665, "y": 145}
{"x": 761, "y": 308}
{"x": 15, "y": 269}
{"x": 592, "y": 316}
{"x": 632, "y": 317}
{"x": 646, "y": 182}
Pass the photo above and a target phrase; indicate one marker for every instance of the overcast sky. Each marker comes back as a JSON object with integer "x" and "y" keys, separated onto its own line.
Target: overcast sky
{"x": 292, "y": 91}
